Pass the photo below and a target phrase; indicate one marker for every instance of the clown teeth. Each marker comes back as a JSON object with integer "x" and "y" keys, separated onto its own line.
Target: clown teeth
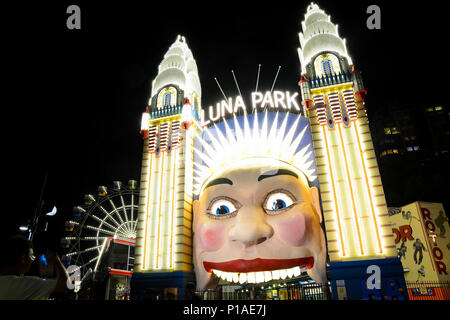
{"x": 258, "y": 277}
{"x": 290, "y": 272}
{"x": 242, "y": 277}
{"x": 251, "y": 277}
{"x": 276, "y": 275}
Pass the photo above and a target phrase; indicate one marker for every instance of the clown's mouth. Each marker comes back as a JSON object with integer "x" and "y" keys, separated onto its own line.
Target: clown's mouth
{"x": 258, "y": 270}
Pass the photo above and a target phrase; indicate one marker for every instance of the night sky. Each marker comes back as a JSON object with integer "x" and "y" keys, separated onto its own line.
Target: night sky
{"x": 74, "y": 98}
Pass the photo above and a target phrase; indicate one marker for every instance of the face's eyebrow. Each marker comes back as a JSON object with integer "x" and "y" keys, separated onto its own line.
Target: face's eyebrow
{"x": 219, "y": 181}
{"x": 279, "y": 172}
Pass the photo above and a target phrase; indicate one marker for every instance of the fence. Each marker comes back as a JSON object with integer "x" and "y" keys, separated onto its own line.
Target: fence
{"x": 310, "y": 291}
{"x": 315, "y": 291}
{"x": 428, "y": 290}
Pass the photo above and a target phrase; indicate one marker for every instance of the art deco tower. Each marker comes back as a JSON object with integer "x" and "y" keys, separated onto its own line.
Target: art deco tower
{"x": 163, "y": 244}
{"x": 353, "y": 202}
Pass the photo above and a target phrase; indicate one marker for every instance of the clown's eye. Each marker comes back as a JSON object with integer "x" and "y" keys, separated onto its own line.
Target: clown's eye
{"x": 222, "y": 207}
{"x": 278, "y": 200}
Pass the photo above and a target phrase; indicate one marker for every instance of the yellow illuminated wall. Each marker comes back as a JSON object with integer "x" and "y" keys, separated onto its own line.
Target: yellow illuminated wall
{"x": 422, "y": 237}
{"x": 353, "y": 201}
{"x": 164, "y": 236}
{"x": 164, "y": 232}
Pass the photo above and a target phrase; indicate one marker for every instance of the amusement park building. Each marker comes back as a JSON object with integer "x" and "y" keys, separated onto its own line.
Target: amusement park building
{"x": 353, "y": 210}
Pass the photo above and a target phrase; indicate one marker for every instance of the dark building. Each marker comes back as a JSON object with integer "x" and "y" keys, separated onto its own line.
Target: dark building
{"x": 412, "y": 148}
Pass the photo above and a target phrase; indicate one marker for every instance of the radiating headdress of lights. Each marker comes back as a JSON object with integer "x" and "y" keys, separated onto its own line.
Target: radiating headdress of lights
{"x": 278, "y": 136}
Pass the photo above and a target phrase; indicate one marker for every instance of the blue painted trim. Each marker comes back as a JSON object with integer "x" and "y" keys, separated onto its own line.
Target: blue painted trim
{"x": 354, "y": 273}
{"x": 158, "y": 281}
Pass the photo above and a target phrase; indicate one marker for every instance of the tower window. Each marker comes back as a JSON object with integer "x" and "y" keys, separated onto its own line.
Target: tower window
{"x": 167, "y": 99}
{"x": 392, "y": 130}
{"x": 388, "y": 152}
{"x": 326, "y": 64}
{"x": 395, "y": 130}
{"x": 195, "y": 103}
{"x": 327, "y": 67}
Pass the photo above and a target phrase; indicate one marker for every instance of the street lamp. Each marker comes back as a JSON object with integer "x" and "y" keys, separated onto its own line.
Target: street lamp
{"x": 23, "y": 227}
{"x": 52, "y": 213}
{"x": 37, "y": 214}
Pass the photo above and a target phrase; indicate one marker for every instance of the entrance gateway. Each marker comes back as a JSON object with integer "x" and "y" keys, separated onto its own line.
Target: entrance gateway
{"x": 248, "y": 200}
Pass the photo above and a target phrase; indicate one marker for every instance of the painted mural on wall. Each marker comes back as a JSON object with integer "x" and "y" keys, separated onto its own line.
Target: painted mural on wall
{"x": 422, "y": 239}
{"x": 257, "y": 213}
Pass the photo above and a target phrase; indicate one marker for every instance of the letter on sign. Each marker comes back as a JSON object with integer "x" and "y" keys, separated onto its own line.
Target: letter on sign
{"x": 374, "y": 281}
{"x": 403, "y": 233}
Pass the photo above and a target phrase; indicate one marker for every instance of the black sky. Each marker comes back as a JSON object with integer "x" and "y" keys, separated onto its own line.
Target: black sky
{"x": 74, "y": 98}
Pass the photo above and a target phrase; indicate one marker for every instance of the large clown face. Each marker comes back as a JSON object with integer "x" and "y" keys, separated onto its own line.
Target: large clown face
{"x": 255, "y": 221}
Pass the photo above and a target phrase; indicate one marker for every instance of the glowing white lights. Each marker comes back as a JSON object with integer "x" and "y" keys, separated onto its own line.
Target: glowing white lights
{"x": 144, "y": 121}
{"x": 186, "y": 113}
{"x": 276, "y": 99}
{"x": 178, "y": 68}
{"x": 270, "y": 99}
{"x": 52, "y": 213}
{"x": 319, "y": 35}
{"x": 258, "y": 277}
{"x": 220, "y": 148}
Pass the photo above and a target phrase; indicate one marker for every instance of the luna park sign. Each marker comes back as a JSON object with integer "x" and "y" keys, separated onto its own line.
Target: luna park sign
{"x": 278, "y": 100}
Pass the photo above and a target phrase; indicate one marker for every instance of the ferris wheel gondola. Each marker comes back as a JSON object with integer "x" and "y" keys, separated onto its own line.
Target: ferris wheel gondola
{"x": 110, "y": 214}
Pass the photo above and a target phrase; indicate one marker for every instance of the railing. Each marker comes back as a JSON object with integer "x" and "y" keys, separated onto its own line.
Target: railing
{"x": 310, "y": 291}
{"x": 315, "y": 291}
{"x": 328, "y": 80}
{"x": 431, "y": 290}
{"x": 165, "y": 111}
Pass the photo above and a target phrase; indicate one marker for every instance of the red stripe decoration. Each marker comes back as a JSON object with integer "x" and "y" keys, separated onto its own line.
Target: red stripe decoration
{"x": 175, "y": 133}
{"x": 320, "y": 109}
{"x": 335, "y": 107}
{"x": 164, "y": 136}
{"x": 152, "y": 138}
{"x": 121, "y": 272}
{"x": 349, "y": 99}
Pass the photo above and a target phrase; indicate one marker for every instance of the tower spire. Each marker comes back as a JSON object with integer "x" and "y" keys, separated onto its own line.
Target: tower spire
{"x": 178, "y": 69}
{"x": 319, "y": 34}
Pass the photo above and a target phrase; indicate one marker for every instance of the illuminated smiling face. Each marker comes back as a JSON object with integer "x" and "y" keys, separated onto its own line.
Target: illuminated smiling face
{"x": 255, "y": 223}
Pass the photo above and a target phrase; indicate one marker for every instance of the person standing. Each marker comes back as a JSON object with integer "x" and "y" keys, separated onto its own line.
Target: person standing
{"x": 17, "y": 258}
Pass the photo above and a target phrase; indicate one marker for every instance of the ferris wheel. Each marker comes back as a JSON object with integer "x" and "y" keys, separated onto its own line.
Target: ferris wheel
{"x": 111, "y": 214}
